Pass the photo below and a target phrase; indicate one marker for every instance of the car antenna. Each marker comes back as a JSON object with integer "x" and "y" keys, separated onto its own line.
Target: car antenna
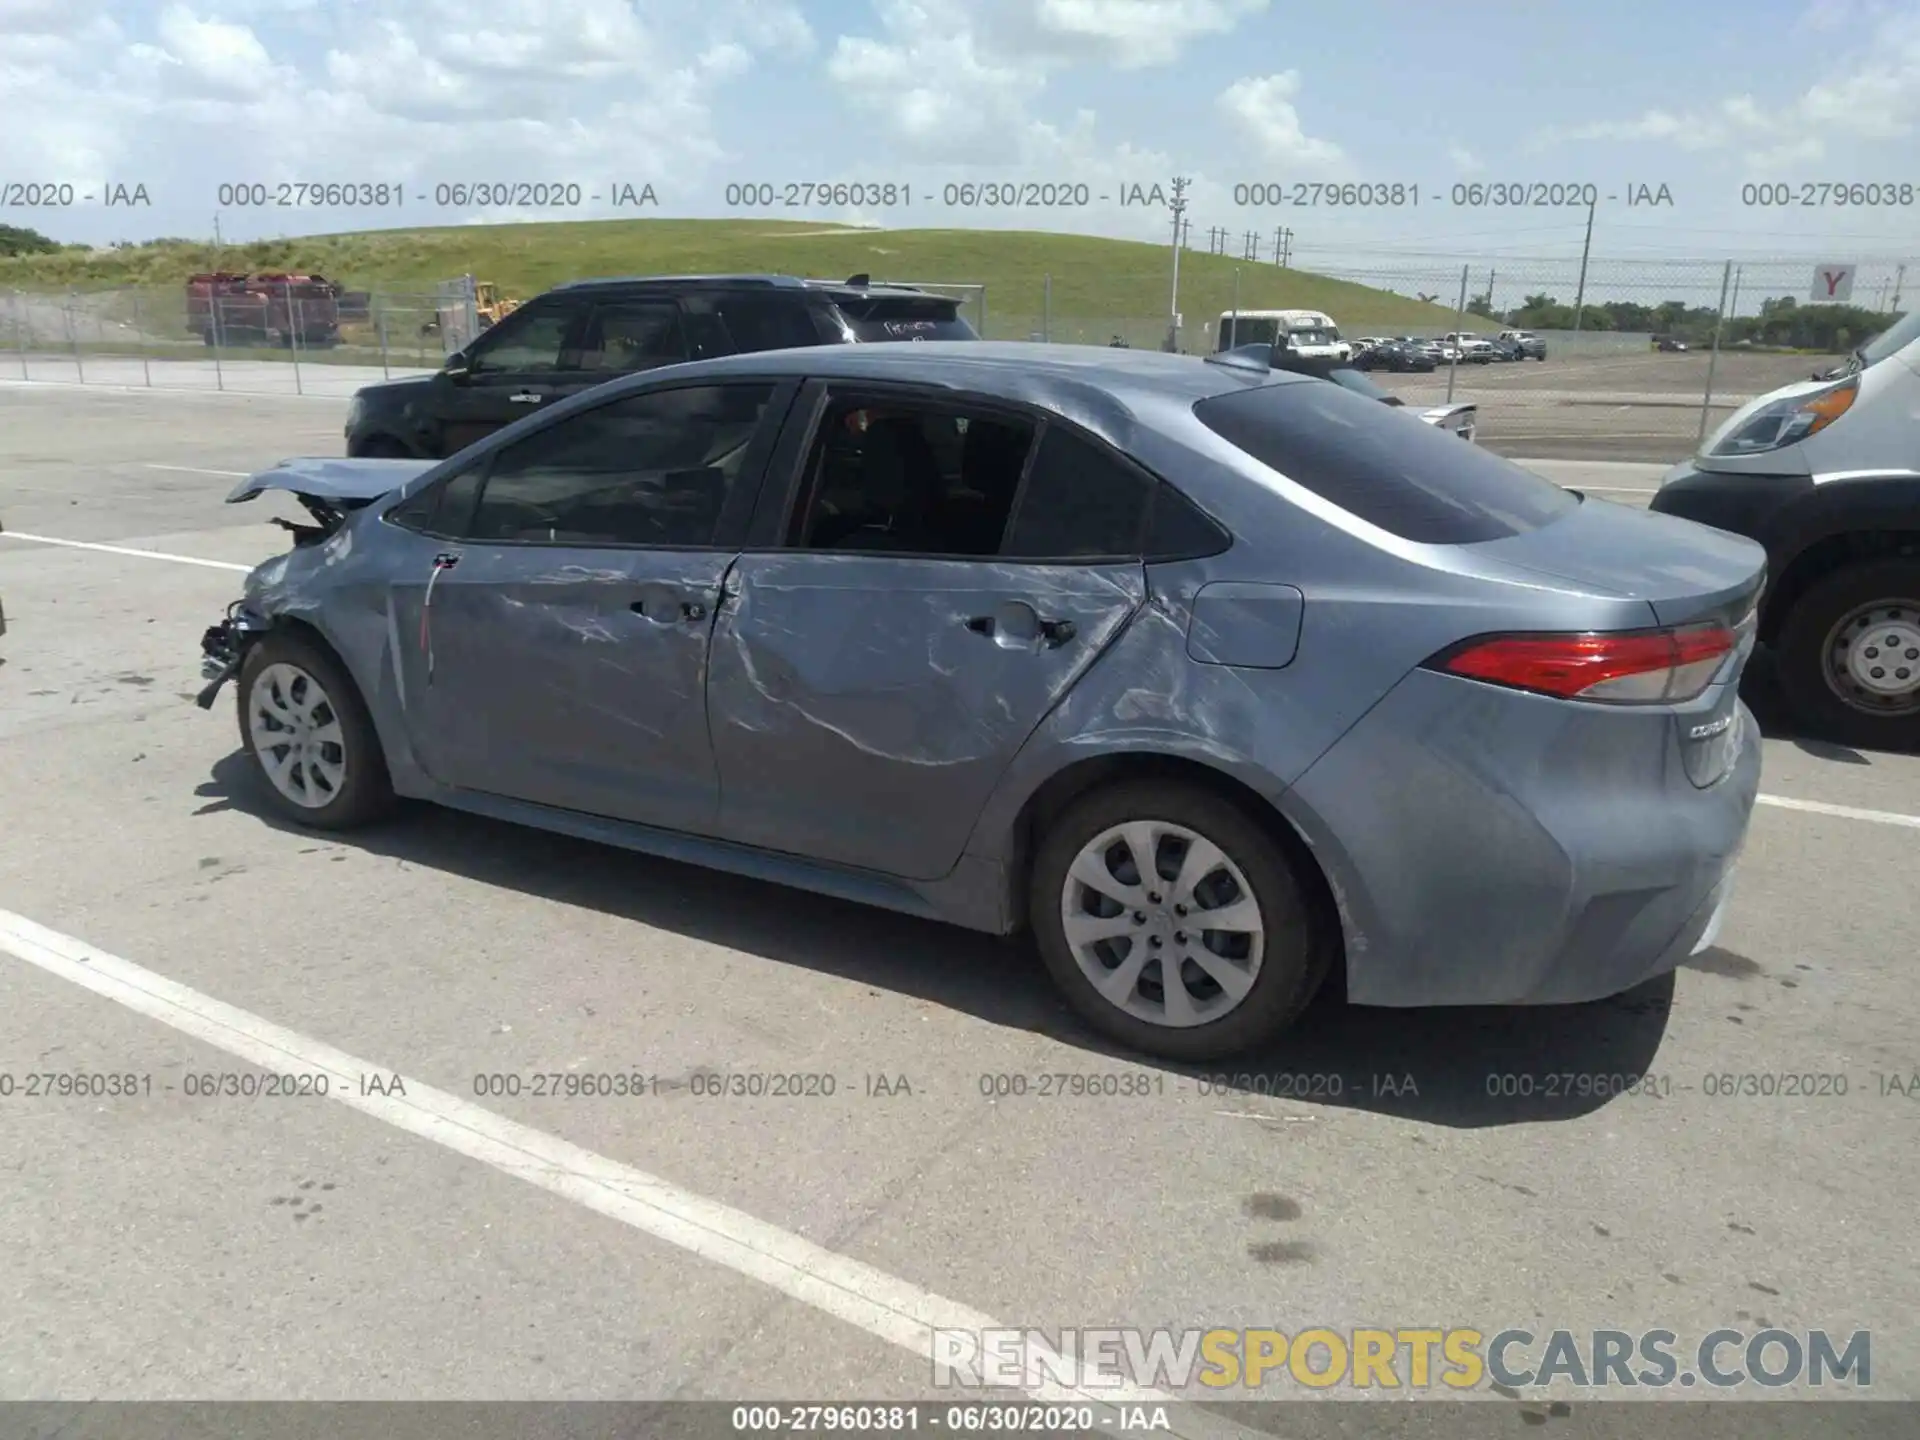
{"x": 862, "y": 279}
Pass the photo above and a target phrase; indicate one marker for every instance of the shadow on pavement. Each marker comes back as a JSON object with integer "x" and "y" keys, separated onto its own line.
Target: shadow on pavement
{"x": 1462, "y": 1067}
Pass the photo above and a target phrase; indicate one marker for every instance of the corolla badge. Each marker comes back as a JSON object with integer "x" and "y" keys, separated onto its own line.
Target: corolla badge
{"x": 1710, "y": 729}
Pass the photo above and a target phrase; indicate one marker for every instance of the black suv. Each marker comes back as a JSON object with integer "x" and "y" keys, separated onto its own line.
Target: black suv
{"x": 587, "y": 332}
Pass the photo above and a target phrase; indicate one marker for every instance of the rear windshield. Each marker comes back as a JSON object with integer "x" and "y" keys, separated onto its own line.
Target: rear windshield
{"x": 910, "y": 317}
{"x": 1384, "y": 466}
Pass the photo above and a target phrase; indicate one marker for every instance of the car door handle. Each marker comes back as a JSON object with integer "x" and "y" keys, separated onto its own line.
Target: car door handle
{"x": 690, "y": 610}
{"x": 1052, "y": 632}
{"x": 524, "y": 397}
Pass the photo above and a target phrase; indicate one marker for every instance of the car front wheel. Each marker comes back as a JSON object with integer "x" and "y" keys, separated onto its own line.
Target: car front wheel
{"x": 309, "y": 734}
{"x": 1849, "y": 655}
{"x": 1173, "y": 922}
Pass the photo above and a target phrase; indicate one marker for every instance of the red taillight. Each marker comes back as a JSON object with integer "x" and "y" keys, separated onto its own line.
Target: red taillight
{"x": 1641, "y": 667}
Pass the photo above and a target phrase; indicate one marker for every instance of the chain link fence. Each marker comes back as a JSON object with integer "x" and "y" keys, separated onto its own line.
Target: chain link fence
{"x": 1650, "y": 354}
{"x": 268, "y": 340}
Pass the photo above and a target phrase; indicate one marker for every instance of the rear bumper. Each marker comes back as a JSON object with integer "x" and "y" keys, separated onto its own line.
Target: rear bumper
{"x": 1487, "y": 848}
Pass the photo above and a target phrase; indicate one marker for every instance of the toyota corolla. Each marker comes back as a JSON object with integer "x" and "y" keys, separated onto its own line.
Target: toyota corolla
{"x": 1215, "y": 680}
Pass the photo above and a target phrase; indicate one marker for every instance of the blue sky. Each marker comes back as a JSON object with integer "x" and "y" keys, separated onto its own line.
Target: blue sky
{"x": 687, "y": 95}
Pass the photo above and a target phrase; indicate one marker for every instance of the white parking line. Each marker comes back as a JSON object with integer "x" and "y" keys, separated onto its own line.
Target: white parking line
{"x": 1844, "y": 812}
{"x": 124, "y": 550}
{"x": 883, "y": 1305}
{"x": 200, "y": 470}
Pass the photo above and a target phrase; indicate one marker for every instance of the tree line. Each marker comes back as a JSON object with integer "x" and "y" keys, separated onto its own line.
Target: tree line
{"x": 17, "y": 240}
{"x": 1782, "y": 321}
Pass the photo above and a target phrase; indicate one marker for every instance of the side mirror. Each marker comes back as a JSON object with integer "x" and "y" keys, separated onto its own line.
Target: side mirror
{"x": 457, "y": 367}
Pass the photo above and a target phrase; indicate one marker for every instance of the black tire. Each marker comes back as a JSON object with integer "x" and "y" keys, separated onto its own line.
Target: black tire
{"x": 1800, "y": 654}
{"x": 1297, "y": 952}
{"x": 366, "y": 792}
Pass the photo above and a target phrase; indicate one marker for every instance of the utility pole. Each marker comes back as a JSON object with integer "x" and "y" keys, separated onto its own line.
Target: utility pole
{"x": 1489, "y": 290}
{"x": 1287, "y": 259}
{"x": 1278, "y": 232}
{"x": 1586, "y": 248}
{"x": 1179, "y": 207}
{"x": 218, "y": 244}
{"x": 1899, "y": 279}
{"x": 1713, "y": 358}
{"x": 1733, "y": 305}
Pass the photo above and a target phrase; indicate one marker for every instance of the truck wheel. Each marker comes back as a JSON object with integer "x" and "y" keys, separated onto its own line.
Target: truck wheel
{"x": 1849, "y": 655}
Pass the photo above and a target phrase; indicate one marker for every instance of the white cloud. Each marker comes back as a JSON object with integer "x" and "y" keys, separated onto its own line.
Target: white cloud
{"x": 1134, "y": 33}
{"x": 935, "y": 83}
{"x": 186, "y": 97}
{"x": 1464, "y": 160}
{"x": 959, "y": 80}
{"x": 1262, "y": 109}
{"x": 215, "y": 57}
{"x": 1875, "y": 95}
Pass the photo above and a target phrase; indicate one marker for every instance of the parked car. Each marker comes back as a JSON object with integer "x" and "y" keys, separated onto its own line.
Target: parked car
{"x": 1460, "y": 419}
{"x": 1826, "y": 475}
{"x": 1395, "y": 355}
{"x": 1670, "y": 344}
{"x": 1505, "y": 349}
{"x": 1473, "y": 350}
{"x": 1218, "y": 680}
{"x": 1532, "y": 346}
{"x": 588, "y": 332}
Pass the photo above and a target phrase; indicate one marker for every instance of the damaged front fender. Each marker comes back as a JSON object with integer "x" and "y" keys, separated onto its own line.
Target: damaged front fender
{"x": 224, "y": 646}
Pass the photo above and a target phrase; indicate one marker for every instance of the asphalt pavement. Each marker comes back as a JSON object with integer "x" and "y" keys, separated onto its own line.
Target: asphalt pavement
{"x": 433, "y": 1228}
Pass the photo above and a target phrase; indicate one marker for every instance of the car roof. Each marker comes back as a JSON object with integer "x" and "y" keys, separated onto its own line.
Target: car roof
{"x": 1056, "y": 376}
{"x": 837, "y": 289}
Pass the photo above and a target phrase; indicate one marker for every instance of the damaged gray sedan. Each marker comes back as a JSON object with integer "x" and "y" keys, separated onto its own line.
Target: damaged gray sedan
{"x": 1218, "y": 681}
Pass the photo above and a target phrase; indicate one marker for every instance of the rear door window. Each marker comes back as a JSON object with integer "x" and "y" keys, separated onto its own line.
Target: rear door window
{"x": 905, "y": 317}
{"x": 731, "y": 323}
{"x": 627, "y": 335}
{"x": 1384, "y": 466}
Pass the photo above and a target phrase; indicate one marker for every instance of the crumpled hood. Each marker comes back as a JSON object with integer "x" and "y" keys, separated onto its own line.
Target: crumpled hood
{"x": 337, "y": 481}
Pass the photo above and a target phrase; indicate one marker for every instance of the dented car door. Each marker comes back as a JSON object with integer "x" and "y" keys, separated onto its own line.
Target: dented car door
{"x": 864, "y": 706}
{"x": 563, "y": 621}
{"x": 566, "y": 676}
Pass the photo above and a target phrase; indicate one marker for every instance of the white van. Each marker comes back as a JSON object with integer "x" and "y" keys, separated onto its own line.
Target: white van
{"x": 1826, "y": 474}
{"x": 1310, "y": 334}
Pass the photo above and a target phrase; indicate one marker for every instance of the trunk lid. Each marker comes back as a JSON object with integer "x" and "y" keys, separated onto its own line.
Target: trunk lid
{"x": 1686, "y": 573}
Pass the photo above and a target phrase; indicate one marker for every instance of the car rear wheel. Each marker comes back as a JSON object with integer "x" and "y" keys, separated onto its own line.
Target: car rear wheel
{"x": 1849, "y": 655}
{"x": 304, "y": 724}
{"x": 1173, "y": 922}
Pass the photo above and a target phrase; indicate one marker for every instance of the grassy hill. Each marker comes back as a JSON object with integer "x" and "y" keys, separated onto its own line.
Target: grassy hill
{"x": 1099, "y": 286}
